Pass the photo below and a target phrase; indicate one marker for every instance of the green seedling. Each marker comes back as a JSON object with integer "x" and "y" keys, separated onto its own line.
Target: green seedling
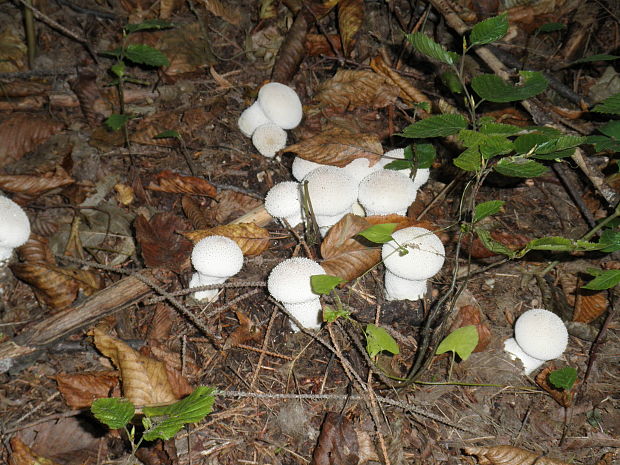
{"x": 378, "y": 340}
{"x": 564, "y": 378}
{"x": 324, "y": 284}
{"x": 461, "y": 342}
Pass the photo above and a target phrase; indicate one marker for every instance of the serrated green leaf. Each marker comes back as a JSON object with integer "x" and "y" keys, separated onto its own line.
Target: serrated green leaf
{"x": 559, "y": 144}
{"x": 561, "y": 244}
{"x": 116, "y": 122}
{"x": 489, "y": 30}
{"x": 379, "y": 233}
{"x": 494, "y": 89}
{"x": 169, "y": 134}
{"x": 492, "y": 245}
{"x": 330, "y": 315}
{"x": 485, "y": 209}
{"x": 425, "y": 154}
{"x": 564, "y": 378}
{"x": 408, "y": 153}
{"x": 398, "y": 165}
{"x": 145, "y": 55}
{"x": 426, "y": 106}
{"x": 526, "y": 142}
{"x": 427, "y": 46}
{"x": 118, "y": 69}
{"x": 451, "y": 80}
{"x": 378, "y": 340}
{"x": 436, "y": 126}
{"x": 169, "y": 419}
{"x": 605, "y": 280}
{"x": 462, "y": 341}
{"x": 610, "y": 105}
{"x": 601, "y": 57}
{"x": 487, "y": 145}
{"x": 551, "y": 27}
{"x": 149, "y": 24}
{"x": 610, "y": 240}
{"x": 493, "y": 128}
{"x": 113, "y": 412}
{"x": 520, "y": 167}
{"x": 324, "y": 283}
{"x": 469, "y": 160}
{"x": 611, "y": 129}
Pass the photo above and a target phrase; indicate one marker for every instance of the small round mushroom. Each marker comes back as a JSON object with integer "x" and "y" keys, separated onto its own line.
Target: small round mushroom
{"x": 215, "y": 258}
{"x": 386, "y": 191}
{"x": 421, "y": 175}
{"x": 332, "y": 194}
{"x": 359, "y": 168}
{"x": 251, "y": 118}
{"x": 269, "y": 139}
{"x": 301, "y": 167}
{"x": 406, "y": 274}
{"x": 281, "y": 105}
{"x": 283, "y": 202}
{"x": 14, "y": 227}
{"x": 289, "y": 283}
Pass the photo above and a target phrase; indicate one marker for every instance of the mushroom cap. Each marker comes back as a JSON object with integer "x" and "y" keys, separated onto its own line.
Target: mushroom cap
{"x": 283, "y": 201}
{"x": 331, "y": 190}
{"x": 281, "y": 104}
{"x": 302, "y": 167}
{"x": 14, "y": 226}
{"x": 425, "y": 258}
{"x": 529, "y": 363}
{"x": 386, "y": 191}
{"x": 268, "y": 139}
{"x": 289, "y": 281}
{"x": 251, "y": 118}
{"x": 359, "y": 168}
{"x": 541, "y": 334}
{"x": 217, "y": 256}
{"x": 390, "y": 156}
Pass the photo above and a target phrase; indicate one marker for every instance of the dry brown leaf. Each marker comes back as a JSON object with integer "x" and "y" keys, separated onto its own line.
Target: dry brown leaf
{"x": 230, "y": 205}
{"x": 338, "y": 147}
{"x": 187, "y": 49}
{"x": 350, "y": 20}
{"x": 51, "y": 286}
{"x": 589, "y": 305}
{"x": 608, "y": 458}
{"x": 12, "y": 49}
{"x": 89, "y": 281}
{"x": 80, "y": 389}
{"x": 160, "y": 325}
{"x": 36, "y": 250}
{"x": 22, "y": 454}
{"x": 161, "y": 246}
{"x": 16, "y": 89}
{"x": 509, "y": 455}
{"x": 511, "y": 240}
{"x": 251, "y": 239}
{"x": 168, "y": 7}
{"x": 246, "y": 332}
{"x": 87, "y": 91}
{"x": 343, "y": 255}
{"x": 124, "y": 194}
{"x": 173, "y": 365}
{"x": 408, "y": 92}
{"x": 319, "y": 44}
{"x": 20, "y": 133}
{"x": 145, "y": 380}
{"x": 471, "y": 315}
{"x": 28, "y": 187}
{"x": 194, "y": 212}
{"x": 292, "y": 50}
{"x": 226, "y": 12}
{"x": 561, "y": 396}
{"x": 350, "y": 89}
{"x": 167, "y": 181}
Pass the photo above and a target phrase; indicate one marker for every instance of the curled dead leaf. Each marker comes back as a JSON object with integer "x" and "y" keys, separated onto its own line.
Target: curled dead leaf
{"x": 36, "y": 250}
{"x": 167, "y": 181}
{"x": 350, "y": 20}
{"x": 51, "y": 286}
{"x": 89, "y": 281}
{"x": 22, "y": 454}
{"x": 292, "y": 50}
{"x": 230, "y": 205}
{"x": 251, "y": 239}
{"x": 80, "y": 389}
{"x": 87, "y": 91}
{"x": 161, "y": 246}
{"x": 20, "y": 133}
{"x": 509, "y": 455}
{"x": 124, "y": 194}
{"x": 320, "y": 44}
{"x": 225, "y": 11}
{"x": 338, "y": 147}
{"x": 194, "y": 212}
{"x": 408, "y": 92}
{"x": 589, "y": 305}
{"x": 28, "y": 187}
{"x": 246, "y": 332}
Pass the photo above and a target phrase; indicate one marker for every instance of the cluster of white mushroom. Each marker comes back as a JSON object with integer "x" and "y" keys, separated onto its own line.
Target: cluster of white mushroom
{"x": 540, "y": 335}
{"x": 276, "y": 109}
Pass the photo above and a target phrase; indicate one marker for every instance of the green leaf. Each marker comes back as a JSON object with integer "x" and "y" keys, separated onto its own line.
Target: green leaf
{"x": 378, "y": 340}
{"x": 118, "y": 69}
{"x": 330, "y": 315}
{"x": 561, "y": 244}
{"x": 601, "y": 57}
{"x": 551, "y": 27}
{"x": 146, "y": 55}
{"x": 169, "y": 134}
{"x": 379, "y": 233}
{"x": 492, "y": 245}
{"x": 489, "y": 30}
{"x": 461, "y": 341}
{"x": 488, "y": 145}
{"x": 494, "y": 89}
{"x": 605, "y": 280}
{"x": 324, "y": 283}
{"x": 526, "y": 142}
{"x": 436, "y": 126}
{"x": 425, "y": 154}
{"x": 169, "y": 419}
{"x": 427, "y": 46}
{"x": 469, "y": 160}
{"x": 116, "y": 122}
{"x": 451, "y": 80}
{"x": 564, "y": 378}
{"x": 485, "y": 209}
{"x": 398, "y": 165}
{"x": 520, "y": 167}
{"x": 610, "y": 240}
{"x": 611, "y": 129}
{"x": 149, "y": 24}
{"x": 493, "y": 128}
{"x": 559, "y": 144}
{"x": 426, "y": 106}
{"x": 113, "y": 412}
{"x": 609, "y": 105}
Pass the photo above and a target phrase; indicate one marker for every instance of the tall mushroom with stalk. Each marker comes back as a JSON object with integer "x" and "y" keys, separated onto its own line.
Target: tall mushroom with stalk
{"x": 14, "y": 228}
{"x": 283, "y": 202}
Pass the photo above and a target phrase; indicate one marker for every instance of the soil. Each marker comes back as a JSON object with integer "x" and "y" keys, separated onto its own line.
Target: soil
{"x": 245, "y": 342}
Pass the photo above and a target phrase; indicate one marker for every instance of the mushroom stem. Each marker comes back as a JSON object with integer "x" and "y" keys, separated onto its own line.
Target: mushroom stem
{"x": 397, "y": 288}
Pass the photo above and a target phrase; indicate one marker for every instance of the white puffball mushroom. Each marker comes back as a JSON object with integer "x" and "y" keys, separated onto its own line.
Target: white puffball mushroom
{"x": 541, "y": 334}
{"x": 281, "y": 104}
{"x": 514, "y": 351}
{"x": 215, "y": 258}
{"x": 251, "y": 118}
{"x": 301, "y": 167}
{"x": 386, "y": 191}
{"x": 289, "y": 283}
{"x": 421, "y": 174}
{"x": 406, "y": 275}
{"x": 269, "y": 139}
{"x": 14, "y": 227}
{"x": 283, "y": 202}
{"x": 332, "y": 194}
{"x": 359, "y": 168}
